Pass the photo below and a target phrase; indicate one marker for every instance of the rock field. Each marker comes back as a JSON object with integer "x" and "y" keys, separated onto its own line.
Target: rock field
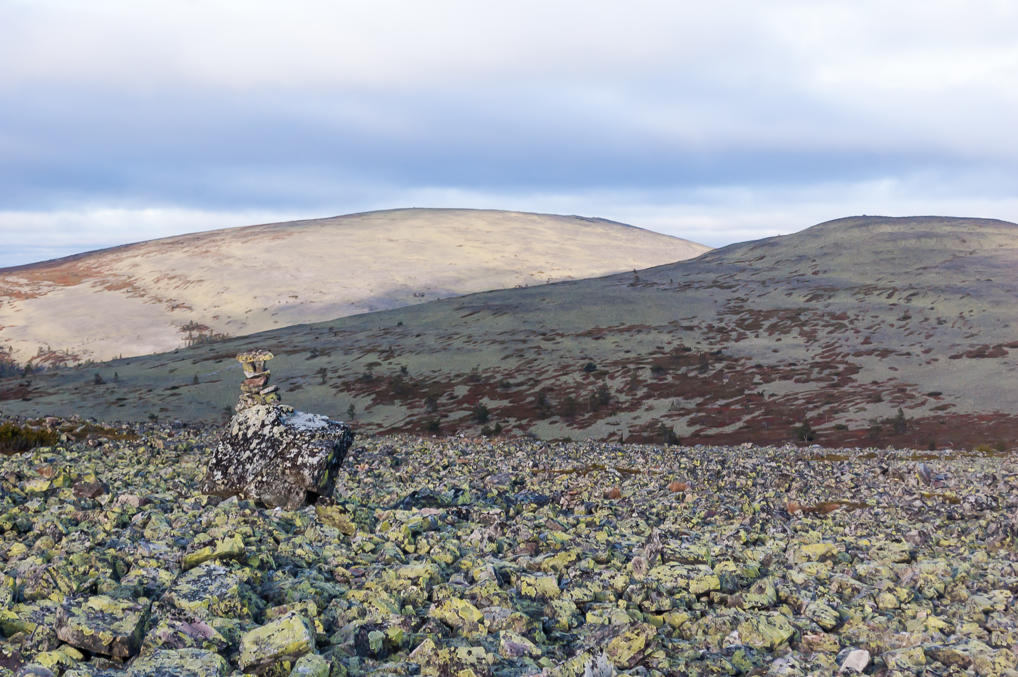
{"x": 463, "y": 556}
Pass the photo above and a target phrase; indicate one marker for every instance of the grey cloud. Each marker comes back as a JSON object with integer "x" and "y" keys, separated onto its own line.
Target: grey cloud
{"x": 617, "y": 110}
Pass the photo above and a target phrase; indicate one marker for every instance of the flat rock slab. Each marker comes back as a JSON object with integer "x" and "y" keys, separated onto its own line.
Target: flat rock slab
{"x": 278, "y": 456}
{"x": 179, "y": 663}
{"x": 102, "y": 625}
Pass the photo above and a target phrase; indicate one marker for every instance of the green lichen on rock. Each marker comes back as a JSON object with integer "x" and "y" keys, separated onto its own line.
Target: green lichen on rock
{"x": 539, "y": 586}
{"x": 286, "y": 638}
{"x": 462, "y": 556}
{"x": 179, "y": 663}
{"x": 626, "y": 649}
{"x": 211, "y": 589}
{"x": 766, "y": 631}
{"x": 311, "y": 665}
{"x": 102, "y": 625}
{"x": 228, "y": 547}
{"x": 460, "y": 615}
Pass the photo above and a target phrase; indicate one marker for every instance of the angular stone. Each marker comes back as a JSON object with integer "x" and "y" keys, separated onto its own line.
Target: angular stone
{"x": 765, "y": 631}
{"x": 823, "y": 615}
{"x": 311, "y": 665}
{"x": 179, "y": 663}
{"x": 626, "y": 649}
{"x": 103, "y": 625}
{"x": 891, "y": 551}
{"x": 286, "y": 638}
{"x": 539, "y": 586}
{"x": 957, "y": 656}
{"x": 278, "y": 456}
{"x": 907, "y": 659}
{"x": 512, "y": 645}
{"x": 212, "y": 590}
{"x": 35, "y": 670}
{"x": 59, "y": 660}
{"x": 460, "y": 615}
{"x": 337, "y": 518}
{"x": 855, "y": 660}
{"x": 704, "y": 584}
{"x": 255, "y": 383}
{"x": 228, "y": 547}
{"x": 254, "y": 360}
{"x": 815, "y": 552}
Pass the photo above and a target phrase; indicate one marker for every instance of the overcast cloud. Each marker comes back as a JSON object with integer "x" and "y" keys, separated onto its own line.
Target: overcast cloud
{"x": 122, "y": 121}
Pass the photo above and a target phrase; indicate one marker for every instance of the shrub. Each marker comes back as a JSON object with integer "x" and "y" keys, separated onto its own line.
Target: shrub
{"x": 601, "y": 397}
{"x": 898, "y": 424}
{"x": 481, "y": 413}
{"x": 16, "y": 438}
{"x": 433, "y": 426}
{"x": 589, "y": 367}
{"x": 667, "y": 435}
{"x": 543, "y": 404}
{"x": 567, "y": 408}
{"x": 805, "y": 432}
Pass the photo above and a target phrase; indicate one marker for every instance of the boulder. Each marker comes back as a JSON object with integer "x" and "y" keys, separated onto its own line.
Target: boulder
{"x": 102, "y": 625}
{"x": 278, "y": 456}
{"x": 288, "y": 637}
{"x": 179, "y": 663}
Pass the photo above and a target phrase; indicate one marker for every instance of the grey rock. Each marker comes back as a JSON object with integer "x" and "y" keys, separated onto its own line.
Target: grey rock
{"x": 854, "y": 660}
{"x": 278, "y": 456}
{"x": 102, "y": 625}
{"x": 179, "y": 663}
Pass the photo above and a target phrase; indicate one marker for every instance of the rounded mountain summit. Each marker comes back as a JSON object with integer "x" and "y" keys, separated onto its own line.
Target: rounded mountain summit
{"x": 162, "y": 294}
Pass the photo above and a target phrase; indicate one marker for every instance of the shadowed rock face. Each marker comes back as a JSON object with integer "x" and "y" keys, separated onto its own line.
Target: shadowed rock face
{"x": 278, "y": 456}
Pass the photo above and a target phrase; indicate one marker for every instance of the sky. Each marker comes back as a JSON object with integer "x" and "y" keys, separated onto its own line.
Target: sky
{"x": 717, "y": 122}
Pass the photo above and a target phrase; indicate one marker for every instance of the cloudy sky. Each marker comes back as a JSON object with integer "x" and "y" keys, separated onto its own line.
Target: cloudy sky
{"x": 718, "y": 122}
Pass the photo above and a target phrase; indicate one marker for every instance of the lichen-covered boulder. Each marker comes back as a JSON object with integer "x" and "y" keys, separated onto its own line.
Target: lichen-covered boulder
{"x": 278, "y": 456}
{"x": 286, "y": 638}
{"x": 179, "y": 663}
{"x": 311, "y": 665}
{"x": 211, "y": 590}
{"x": 102, "y": 625}
{"x": 628, "y": 647}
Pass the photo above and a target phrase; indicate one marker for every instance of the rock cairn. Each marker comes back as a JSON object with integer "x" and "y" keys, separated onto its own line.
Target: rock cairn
{"x": 256, "y": 389}
{"x": 272, "y": 453}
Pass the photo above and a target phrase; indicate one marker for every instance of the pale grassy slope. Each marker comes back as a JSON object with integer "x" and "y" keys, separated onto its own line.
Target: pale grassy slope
{"x": 842, "y": 324}
{"x": 134, "y": 300}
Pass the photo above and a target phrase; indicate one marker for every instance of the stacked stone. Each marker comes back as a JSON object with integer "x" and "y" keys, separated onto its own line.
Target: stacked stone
{"x": 255, "y": 389}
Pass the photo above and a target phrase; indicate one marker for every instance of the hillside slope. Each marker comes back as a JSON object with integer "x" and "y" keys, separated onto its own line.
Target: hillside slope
{"x": 873, "y": 330}
{"x": 159, "y": 295}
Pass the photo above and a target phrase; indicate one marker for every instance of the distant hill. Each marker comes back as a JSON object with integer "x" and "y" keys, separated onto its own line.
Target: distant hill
{"x": 871, "y": 330}
{"x": 162, "y": 294}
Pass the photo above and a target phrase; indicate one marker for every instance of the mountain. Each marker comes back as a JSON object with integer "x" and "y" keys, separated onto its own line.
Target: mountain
{"x": 162, "y": 294}
{"x": 857, "y": 332}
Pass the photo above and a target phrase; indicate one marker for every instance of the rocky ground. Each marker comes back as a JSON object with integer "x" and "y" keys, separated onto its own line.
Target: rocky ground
{"x": 511, "y": 557}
